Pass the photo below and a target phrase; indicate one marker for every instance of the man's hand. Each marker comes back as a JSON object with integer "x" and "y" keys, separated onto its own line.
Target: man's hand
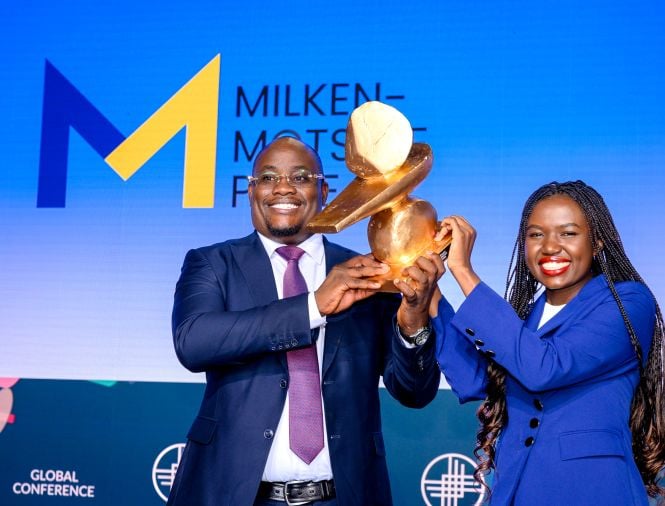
{"x": 417, "y": 291}
{"x": 348, "y": 283}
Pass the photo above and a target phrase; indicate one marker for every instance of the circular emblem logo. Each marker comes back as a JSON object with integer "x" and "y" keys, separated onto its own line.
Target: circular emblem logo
{"x": 448, "y": 480}
{"x": 164, "y": 469}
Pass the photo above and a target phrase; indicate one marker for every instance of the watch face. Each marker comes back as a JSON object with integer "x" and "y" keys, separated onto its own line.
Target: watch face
{"x": 417, "y": 339}
{"x": 421, "y": 338}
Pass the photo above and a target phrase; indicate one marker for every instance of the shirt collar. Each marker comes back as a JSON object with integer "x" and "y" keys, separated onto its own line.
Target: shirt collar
{"x": 312, "y": 246}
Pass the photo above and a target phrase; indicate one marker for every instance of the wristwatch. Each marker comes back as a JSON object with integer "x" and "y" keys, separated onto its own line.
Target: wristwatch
{"x": 419, "y": 337}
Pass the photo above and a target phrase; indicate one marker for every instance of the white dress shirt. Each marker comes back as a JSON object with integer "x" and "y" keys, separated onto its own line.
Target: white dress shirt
{"x": 283, "y": 464}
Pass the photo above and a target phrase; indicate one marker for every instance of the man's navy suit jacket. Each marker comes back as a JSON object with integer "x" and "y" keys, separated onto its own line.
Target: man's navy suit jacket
{"x": 228, "y": 322}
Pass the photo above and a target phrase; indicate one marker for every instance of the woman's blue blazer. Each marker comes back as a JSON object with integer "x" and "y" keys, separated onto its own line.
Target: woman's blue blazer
{"x": 568, "y": 391}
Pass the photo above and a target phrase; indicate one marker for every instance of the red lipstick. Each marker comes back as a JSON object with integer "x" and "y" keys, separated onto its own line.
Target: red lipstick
{"x": 553, "y": 266}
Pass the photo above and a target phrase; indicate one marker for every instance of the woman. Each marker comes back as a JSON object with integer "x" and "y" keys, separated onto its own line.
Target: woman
{"x": 572, "y": 379}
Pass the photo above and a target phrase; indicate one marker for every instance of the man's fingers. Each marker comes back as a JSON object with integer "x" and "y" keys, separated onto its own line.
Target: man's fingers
{"x": 361, "y": 261}
{"x": 407, "y": 290}
{"x": 426, "y": 269}
{"x": 361, "y": 267}
{"x": 415, "y": 274}
{"x": 430, "y": 263}
{"x": 362, "y": 284}
{"x": 438, "y": 264}
{"x": 364, "y": 272}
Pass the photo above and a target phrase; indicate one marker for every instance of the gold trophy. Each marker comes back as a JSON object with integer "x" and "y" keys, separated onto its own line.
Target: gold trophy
{"x": 380, "y": 151}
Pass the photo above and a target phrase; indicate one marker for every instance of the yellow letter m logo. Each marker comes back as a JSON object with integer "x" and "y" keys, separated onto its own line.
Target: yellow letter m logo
{"x": 193, "y": 107}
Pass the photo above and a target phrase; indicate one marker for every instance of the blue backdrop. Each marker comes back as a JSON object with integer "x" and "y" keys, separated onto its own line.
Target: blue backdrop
{"x": 510, "y": 95}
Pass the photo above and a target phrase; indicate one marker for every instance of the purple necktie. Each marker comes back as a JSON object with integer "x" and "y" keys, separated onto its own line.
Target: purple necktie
{"x": 305, "y": 412}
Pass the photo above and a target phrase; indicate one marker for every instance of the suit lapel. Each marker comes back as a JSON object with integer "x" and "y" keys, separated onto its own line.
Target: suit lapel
{"x": 334, "y": 331}
{"x": 536, "y": 313}
{"x": 254, "y": 264}
{"x": 593, "y": 287}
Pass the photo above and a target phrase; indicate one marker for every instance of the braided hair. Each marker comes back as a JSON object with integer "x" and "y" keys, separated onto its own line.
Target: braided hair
{"x": 647, "y": 416}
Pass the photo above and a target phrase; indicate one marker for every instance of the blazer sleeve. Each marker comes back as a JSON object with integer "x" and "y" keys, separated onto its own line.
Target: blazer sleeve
{"x": 464, "y": 368}
{"x": 594, "y": 341}
{"x": 207, "y": 335}
{"x": 411, "y": 375}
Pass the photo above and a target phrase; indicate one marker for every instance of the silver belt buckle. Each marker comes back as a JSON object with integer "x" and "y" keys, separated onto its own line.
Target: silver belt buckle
{"x": 295, "y": 502}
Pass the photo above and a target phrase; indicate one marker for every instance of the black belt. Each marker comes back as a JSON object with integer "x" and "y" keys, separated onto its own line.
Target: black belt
{"x": 297, "y": 492}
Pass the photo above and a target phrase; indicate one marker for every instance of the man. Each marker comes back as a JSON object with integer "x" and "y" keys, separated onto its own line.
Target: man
{"x": 238, "y": 317}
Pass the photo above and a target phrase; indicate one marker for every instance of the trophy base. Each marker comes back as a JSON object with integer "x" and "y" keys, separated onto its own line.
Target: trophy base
{"x": 387, "y": 280}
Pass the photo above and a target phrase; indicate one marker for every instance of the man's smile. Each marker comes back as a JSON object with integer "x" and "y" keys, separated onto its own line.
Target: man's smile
{"x": 284, "y": 206}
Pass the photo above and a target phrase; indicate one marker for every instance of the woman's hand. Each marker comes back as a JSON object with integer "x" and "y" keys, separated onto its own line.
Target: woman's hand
{"x": 434, "y": 304}
{"x": 459, "y": 254}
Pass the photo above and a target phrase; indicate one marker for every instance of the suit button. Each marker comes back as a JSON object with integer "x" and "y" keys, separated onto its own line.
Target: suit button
{"x": 283, "y": 383}
{"x": 490, "y": 354}
{"x": 538, "y": 404}
{"x": 479, "y": 342}
{"x": 471, "y": 332}
{"x": 534, "y": 423}
{"x": 529, "y": 441}
{"x": 268, "y": 434}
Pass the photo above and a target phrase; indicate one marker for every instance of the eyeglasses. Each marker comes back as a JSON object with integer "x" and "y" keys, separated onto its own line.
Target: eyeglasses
{"x": 301, "y": 179}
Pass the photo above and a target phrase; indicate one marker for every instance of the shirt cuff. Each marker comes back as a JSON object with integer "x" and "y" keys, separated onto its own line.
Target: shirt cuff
{"x": 404, "y": 342}
{"x": 316, "y": 319}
